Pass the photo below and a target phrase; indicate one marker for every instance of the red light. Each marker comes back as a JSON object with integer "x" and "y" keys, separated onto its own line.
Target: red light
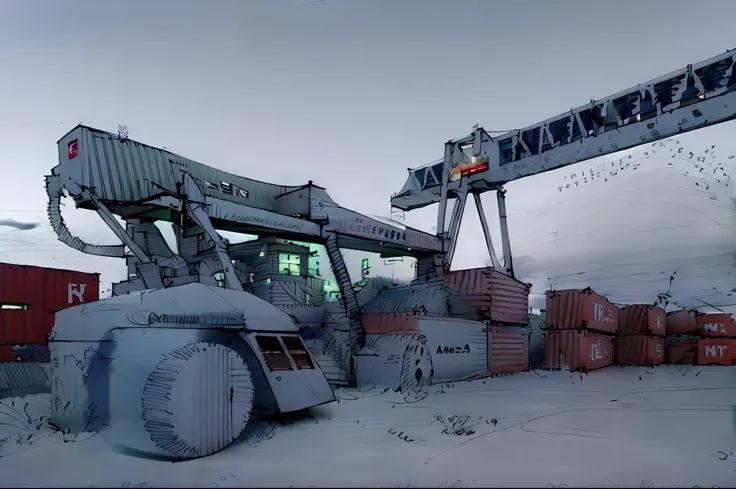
{"x": 474, "y": 169}
{"x": 72, "y": 150}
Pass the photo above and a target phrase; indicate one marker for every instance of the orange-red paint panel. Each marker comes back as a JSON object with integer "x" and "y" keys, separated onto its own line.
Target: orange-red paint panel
{"x": 581, "y": 309}
{"x": 640, "y": 349}
{"x": 507, "y": 353}
{"x": 493, "y": 295}
{"x": 681, "y": 322}
{"x": 716, "y": 325}
{"x": 7, "y": 355}
{"x": 642, "y": 319}
{"x": 578, "y": 350}
{"x": 29, "y": 297}
{"x": 682, "y": 351}
{"x": 716, "y": 351}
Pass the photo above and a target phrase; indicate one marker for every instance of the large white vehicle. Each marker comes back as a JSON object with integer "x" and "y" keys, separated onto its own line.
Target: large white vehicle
{"x": 182, "y": 357}
{"x": 177, "y": 361}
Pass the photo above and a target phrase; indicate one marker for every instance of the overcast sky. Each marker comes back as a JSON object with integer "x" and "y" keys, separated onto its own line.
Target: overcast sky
{"x": 347, "y": 93}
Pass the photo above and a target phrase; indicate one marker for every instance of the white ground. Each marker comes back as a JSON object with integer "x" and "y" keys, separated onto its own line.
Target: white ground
{"x": 671, "y": 428}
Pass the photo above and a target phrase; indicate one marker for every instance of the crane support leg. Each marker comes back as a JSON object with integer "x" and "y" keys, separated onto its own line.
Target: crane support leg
{"x": 150, "y": 239}
{"x": 195, "y": 209}
{"x": 443, "y": 191}
{"x": 116, "y": 228}
{"x": 486, "y": 232}
{"x": 505, "y": 243}
{"x": 147, "y": 271}
{"x": 455, "y": 220}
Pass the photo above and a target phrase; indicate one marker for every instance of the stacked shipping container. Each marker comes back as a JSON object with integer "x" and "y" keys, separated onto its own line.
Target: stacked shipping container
{"x": 702, "y": 339}
{"x": 580, "y": 330}
{"x": 502, "y": 303}
{"x": 642, "y": 335}
{"x": 29, "y": 297}
{"x": 585, "y": 331}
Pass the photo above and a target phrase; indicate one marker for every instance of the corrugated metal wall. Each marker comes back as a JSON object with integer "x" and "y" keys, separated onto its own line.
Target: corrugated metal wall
{"x": 581, "y": 309}
{"x": 488, "y": 295}
{"x": 129, "y": 171}
{"x": 578, "y": 350}
{"x": 29, "y": 297}
{"x": 640, "y": 349}
{"x": 507, "y": 353}
{"x": 23, "y": 375}
{"x": 642, "y": 319}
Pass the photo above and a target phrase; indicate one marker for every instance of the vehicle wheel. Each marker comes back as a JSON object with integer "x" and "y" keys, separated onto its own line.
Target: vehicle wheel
{"x": 416, "y": 370}
{"x": 197, "y": 400}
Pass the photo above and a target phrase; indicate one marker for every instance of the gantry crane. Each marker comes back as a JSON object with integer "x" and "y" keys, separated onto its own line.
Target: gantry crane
{"x": 173, "y": 335}
{"x": 690, "y": 98}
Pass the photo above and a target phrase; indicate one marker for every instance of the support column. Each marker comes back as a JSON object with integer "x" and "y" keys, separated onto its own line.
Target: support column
{"x": 196, "y": 210}
{"x": 455, "y": 220}
{"x": 442, "y": 210}
{"x": 486, "y": 232}
{"x": 505, "y": 243}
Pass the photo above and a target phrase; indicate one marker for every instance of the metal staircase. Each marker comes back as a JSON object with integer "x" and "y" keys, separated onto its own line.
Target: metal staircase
{"x": 336, "y": 376}
{"x": 347, "y": 294}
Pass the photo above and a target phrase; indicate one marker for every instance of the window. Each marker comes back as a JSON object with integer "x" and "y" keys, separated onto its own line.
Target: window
{"x": 298, "y": 352}
{"x": 289, "y": 264}
{"x": 14, "y": 307}
{"x": 276, "y": 358}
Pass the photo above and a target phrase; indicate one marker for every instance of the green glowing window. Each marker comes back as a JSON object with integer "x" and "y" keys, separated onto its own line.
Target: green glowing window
{"x": 289, "y": 264}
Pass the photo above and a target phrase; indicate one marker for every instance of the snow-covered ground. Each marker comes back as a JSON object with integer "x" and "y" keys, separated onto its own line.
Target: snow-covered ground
{"x": 666, "y": 426}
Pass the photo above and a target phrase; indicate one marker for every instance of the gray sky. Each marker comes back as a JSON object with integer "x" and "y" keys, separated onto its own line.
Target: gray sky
{"x": 347, "y": 93}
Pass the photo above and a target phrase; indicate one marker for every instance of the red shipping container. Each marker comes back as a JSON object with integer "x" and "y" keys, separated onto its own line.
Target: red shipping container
{"x": 682, "y": 351}
{"x": 490, "y": 295}
{"x": 578, "y": 350}
{"x": 716, "y": 351}
{"x": 716, "y": 325}
{"x": 642, "y": 319}
{"x": 640, "y": 349}
{"x": 681, "y": 322}
{"x": 507, "y": 352}
{"x": 29, "y": 297}
{"x": 7, "y": 355}
{"x": 581, "y": 309}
